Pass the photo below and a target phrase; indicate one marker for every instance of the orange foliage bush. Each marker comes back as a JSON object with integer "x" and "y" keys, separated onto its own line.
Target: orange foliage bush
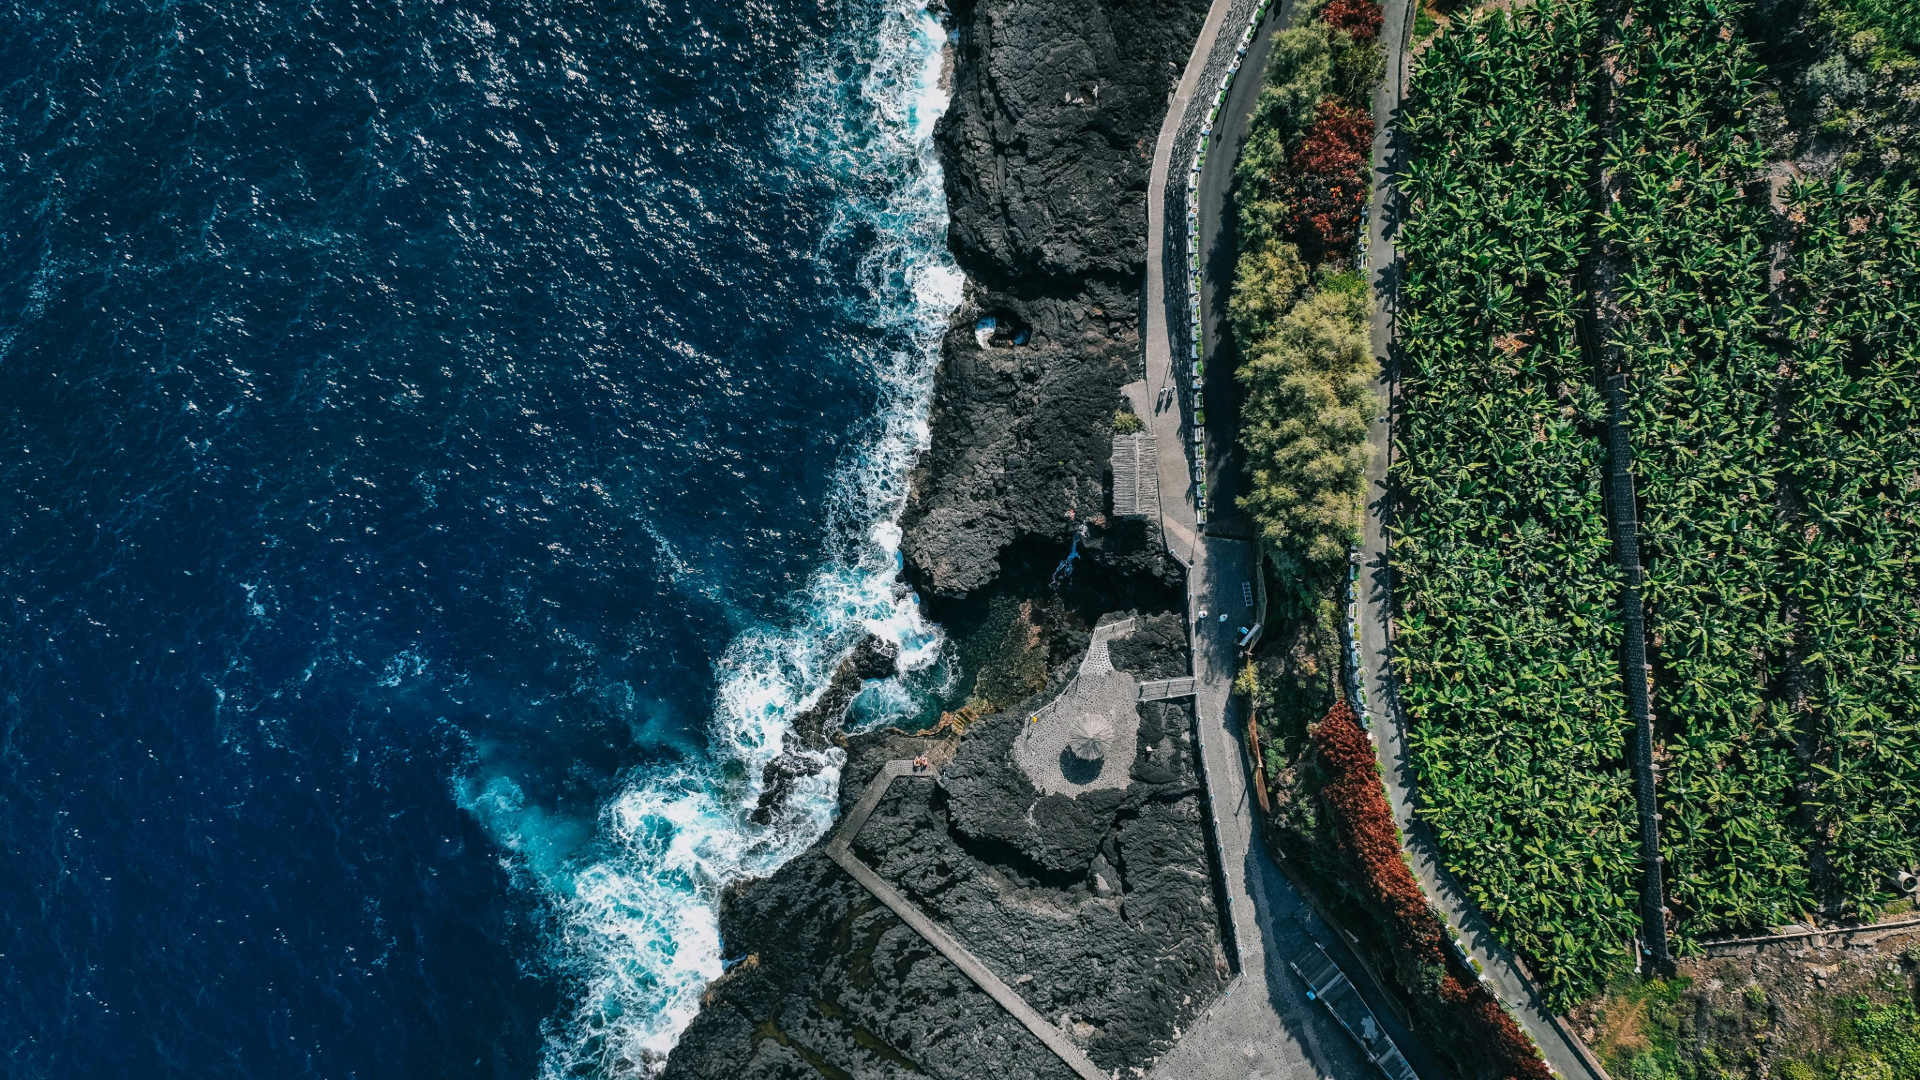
{"x": 1324, "y": 184}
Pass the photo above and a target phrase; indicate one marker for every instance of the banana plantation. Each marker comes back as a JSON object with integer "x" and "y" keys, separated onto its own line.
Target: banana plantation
{"x": 1701, "y": 372}
{"x": 1568, "y": 221}
{"x": 1853, "y": 463}
{"x": 1508, "y": 629}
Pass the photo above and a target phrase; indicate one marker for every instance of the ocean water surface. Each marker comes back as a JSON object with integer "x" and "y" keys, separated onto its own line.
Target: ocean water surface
{"x": 440, "y": 446}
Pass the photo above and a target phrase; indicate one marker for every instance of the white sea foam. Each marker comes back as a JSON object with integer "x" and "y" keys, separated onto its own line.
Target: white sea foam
{"x": 637, "y": 927}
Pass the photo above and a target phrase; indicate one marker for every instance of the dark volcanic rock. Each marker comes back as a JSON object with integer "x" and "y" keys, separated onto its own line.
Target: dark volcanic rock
{"x": 833, "y": 977}
{"x": 1157, "y": 648}
{"x": 815, "y": 728}
{"x": 778, "y": 780}
{"x": 1099, "y": 911}
{"x": 824, "y": 975}
{"x": 873, "y": 658}
{"x": 1021, "y": 436}
{"x": 997, "y": 814}
{"x": 1046, "y": 186}
{"x": 1049, "y": 137}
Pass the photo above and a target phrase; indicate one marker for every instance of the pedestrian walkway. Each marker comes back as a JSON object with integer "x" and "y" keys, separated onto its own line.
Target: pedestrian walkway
{"x": 840, "y": 850}
{"x": 1167, "y": 689}
{"x": 1173, "y": 495}
{"x": 1136, "y": 475}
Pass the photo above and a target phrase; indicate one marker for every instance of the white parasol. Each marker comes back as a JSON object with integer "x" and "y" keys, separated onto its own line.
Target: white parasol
{"x": 1090, "y": 737}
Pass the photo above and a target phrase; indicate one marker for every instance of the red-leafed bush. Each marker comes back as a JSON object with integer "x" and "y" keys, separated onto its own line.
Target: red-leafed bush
{"x": 1361, "y": 19}
{"x": 1366, "y": 836}
{"x": 1364, "y": 826}
{"x": 1324, "y": 185}
{"x": 1508, "y": 1053}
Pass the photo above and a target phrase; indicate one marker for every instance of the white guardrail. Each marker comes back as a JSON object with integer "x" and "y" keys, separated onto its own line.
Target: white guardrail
{"x": 1197, "y": 352}
{"x": 1356, "y": 667}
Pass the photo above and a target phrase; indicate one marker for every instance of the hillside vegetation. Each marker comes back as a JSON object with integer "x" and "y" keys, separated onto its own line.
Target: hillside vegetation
{"x": 1298, "y": 311}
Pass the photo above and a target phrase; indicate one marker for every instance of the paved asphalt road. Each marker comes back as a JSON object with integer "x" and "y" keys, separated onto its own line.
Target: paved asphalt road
{"x": 1226, "y": 463}
{"x": 1265, "y": 1028}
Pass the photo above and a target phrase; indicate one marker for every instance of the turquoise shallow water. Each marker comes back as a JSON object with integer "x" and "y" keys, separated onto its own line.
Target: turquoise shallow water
{"x": 439, "y": 446}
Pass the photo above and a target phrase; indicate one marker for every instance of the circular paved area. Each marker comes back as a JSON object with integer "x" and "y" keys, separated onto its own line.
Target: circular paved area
{"x": 1100, "y": 691}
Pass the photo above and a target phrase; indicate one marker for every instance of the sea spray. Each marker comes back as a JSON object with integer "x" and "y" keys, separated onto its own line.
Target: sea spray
{"x": 636, "y": 930}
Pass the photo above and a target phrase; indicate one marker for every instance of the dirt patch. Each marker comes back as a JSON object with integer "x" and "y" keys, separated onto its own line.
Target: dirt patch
{"x": 1793, "y": 1010}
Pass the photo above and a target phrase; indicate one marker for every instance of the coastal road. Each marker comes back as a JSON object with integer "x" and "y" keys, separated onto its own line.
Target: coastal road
{"x": 1219, "y": 249}
{"x": 1150, "y": 398}
{"x": 1264, "y": 1027}
{"x": 1504, "y": 977}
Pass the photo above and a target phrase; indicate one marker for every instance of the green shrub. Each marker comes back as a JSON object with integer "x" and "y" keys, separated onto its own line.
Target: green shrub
{"x": 1299, "y": 76}
{"x": 1266, "y": 282}
{"x": 1358, "y": 67}
{"x": 1898, "y": 20}
{"x": 1125, "y": 422}
{"x": 1305, "y": 427}
{"x": 1423, "y": 23}
{"x": 1889, "y": 1036}
{"x": 1345, "y": 282}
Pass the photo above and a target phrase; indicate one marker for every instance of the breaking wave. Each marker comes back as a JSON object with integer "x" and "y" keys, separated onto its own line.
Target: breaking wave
{"x": 636, "y": 932}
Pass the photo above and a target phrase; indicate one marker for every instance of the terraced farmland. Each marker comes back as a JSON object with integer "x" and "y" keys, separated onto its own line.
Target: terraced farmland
{"x": 1693, "y": 340}
{"x": 1508, "y": 629}
{"x": 1853, "y": 461}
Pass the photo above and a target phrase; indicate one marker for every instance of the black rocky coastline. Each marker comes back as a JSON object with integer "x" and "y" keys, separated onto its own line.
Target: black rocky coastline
{"x": 1098, "y": 909}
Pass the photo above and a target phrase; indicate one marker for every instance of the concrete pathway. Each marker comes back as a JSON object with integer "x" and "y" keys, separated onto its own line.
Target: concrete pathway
{"x": 1165, "y": 418}
{"x": 1562, "y": 1049}
{"x": 840, "y": 850}
{"x": 1265, "y": 1027}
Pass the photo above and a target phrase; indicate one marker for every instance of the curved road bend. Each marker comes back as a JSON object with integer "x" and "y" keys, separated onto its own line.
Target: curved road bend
{"x": 1265, "y": 1027}
{"x": 1563, "y": 1050}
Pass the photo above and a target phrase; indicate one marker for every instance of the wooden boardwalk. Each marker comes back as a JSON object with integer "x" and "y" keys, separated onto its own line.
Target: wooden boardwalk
{"x": 1167, "y": 689}
{"x": 1136, "y": 476}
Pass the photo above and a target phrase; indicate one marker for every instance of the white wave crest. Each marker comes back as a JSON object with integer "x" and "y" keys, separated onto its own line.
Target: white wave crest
{"x": 638, "y": 931}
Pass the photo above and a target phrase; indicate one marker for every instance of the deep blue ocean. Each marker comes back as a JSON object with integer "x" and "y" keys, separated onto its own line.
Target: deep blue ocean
{"x": 440, "y": 446}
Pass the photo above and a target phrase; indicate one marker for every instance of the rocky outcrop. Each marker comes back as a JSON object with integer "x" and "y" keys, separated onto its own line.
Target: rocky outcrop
{"x": 1048, "y": 140}
{"x": 819, "y": 726}
{"x": 1021, "y": 435}
{"x": 873, "y": 658}
{"x": 1097, "y": 910}
{"x": 1046, "y": 147}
